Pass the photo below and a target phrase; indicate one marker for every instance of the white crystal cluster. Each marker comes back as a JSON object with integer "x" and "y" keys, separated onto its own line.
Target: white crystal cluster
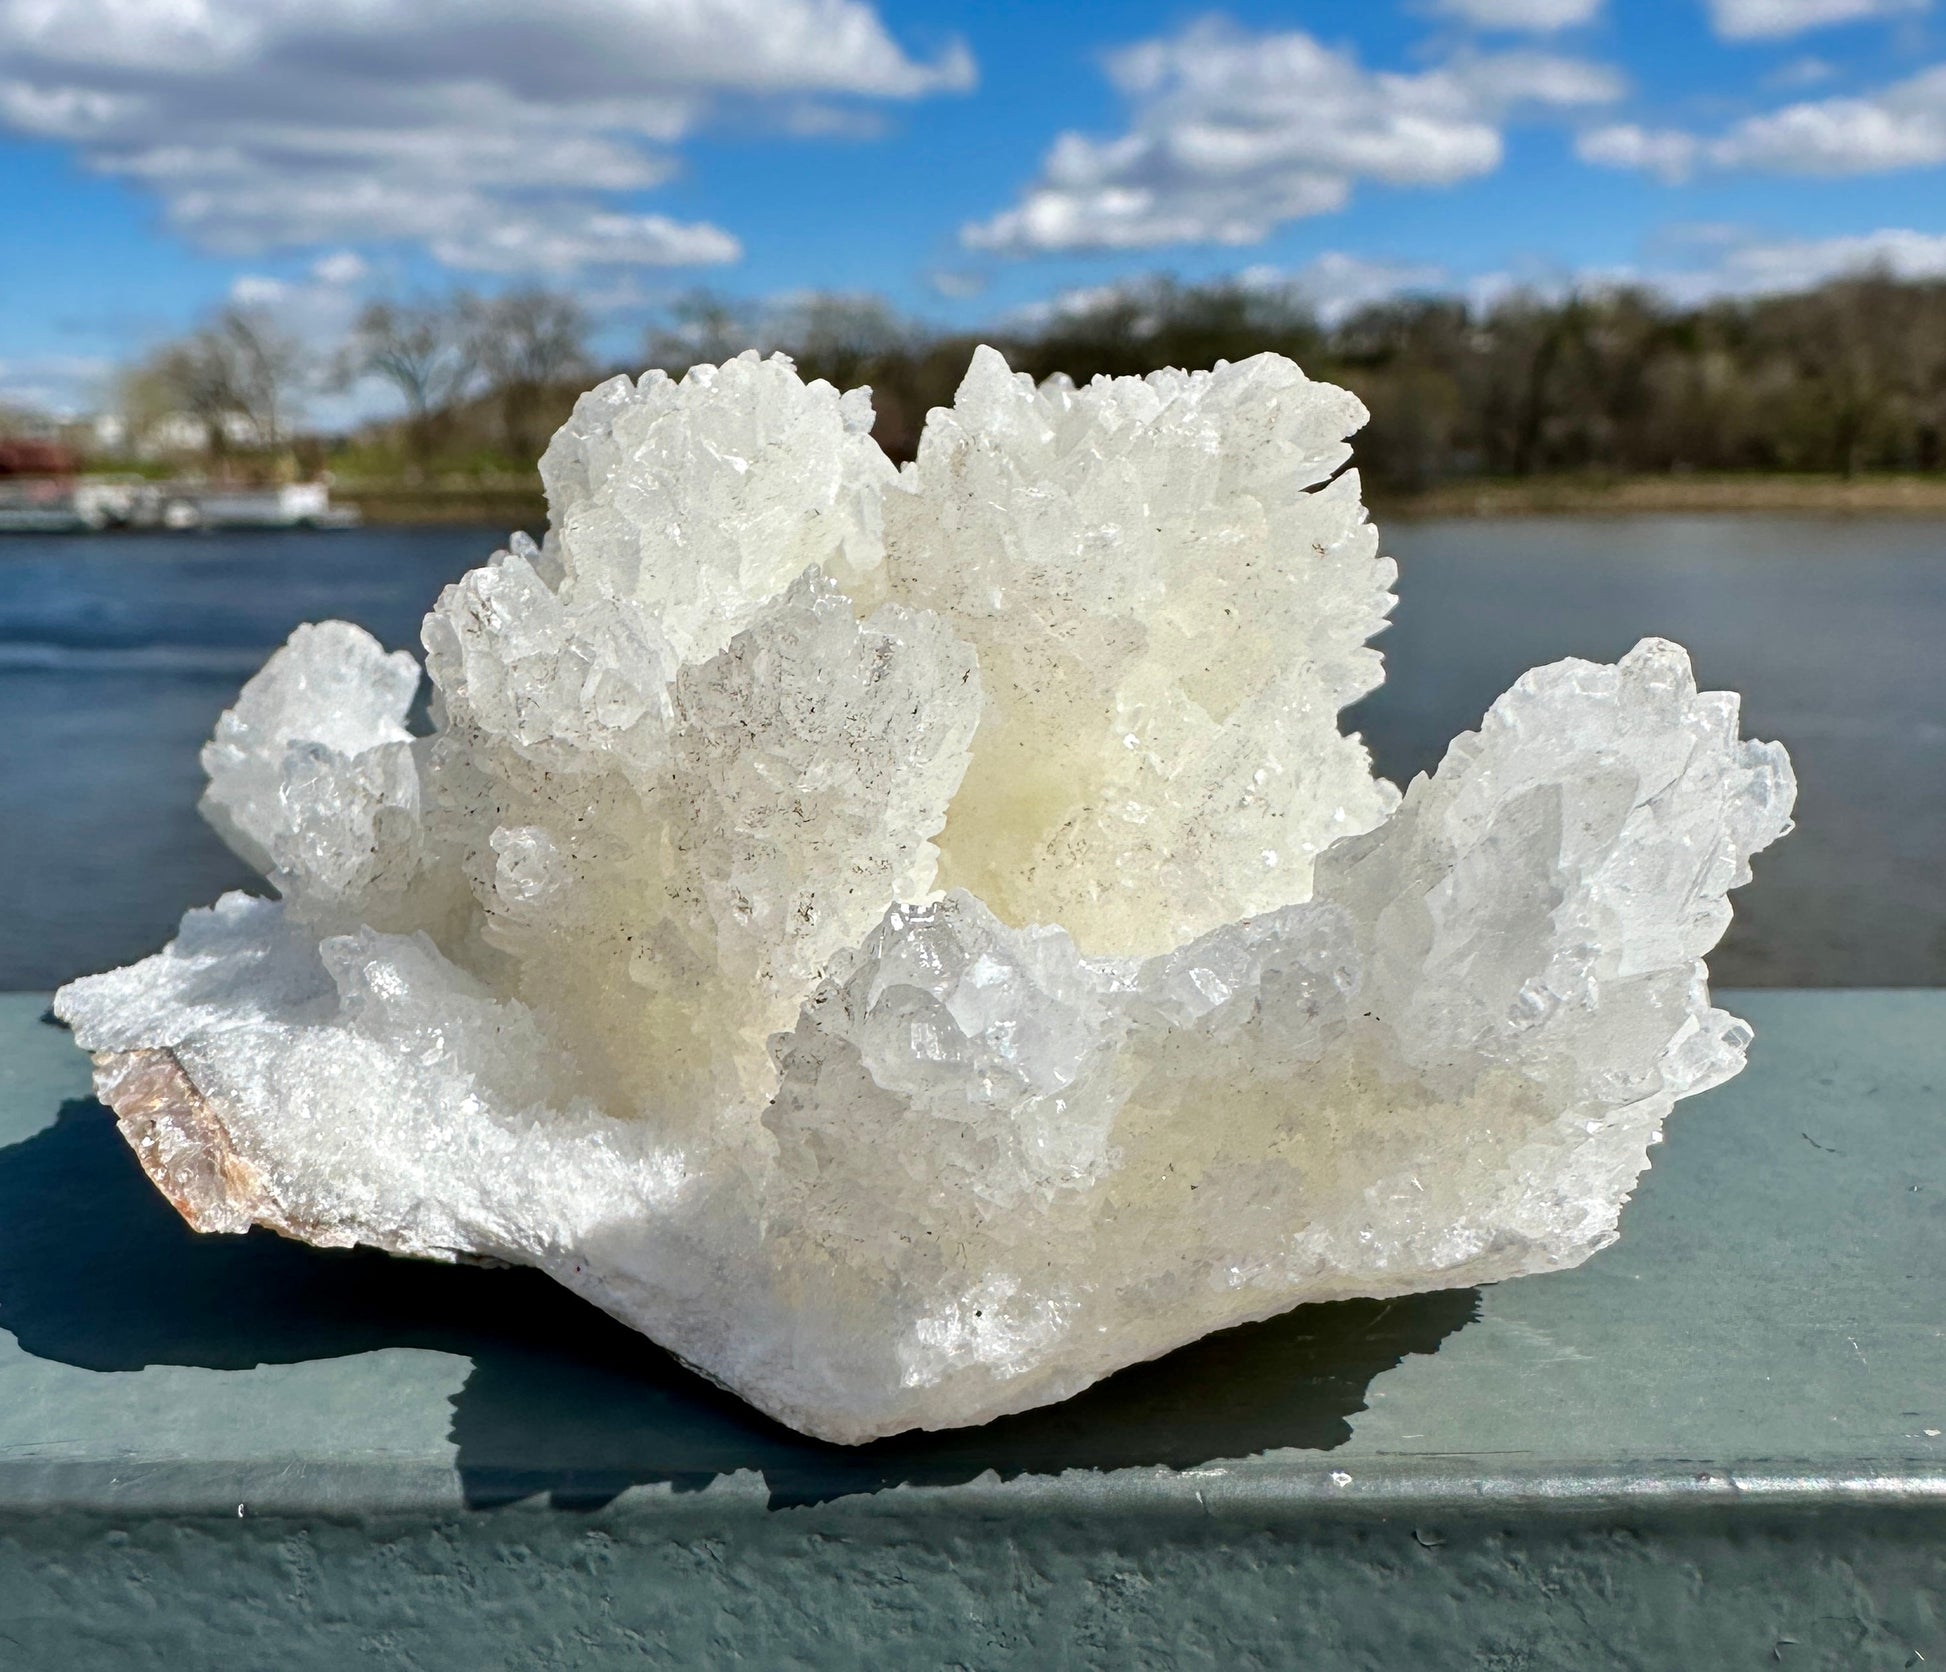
{"x": 915, "y": 942}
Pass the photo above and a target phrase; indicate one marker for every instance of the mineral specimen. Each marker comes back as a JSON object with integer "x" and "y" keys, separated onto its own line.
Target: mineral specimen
{"x": 915, "y": 942}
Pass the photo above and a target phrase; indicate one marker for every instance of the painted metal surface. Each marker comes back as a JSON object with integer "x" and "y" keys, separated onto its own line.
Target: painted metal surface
{"x": 1717, "y": 1444}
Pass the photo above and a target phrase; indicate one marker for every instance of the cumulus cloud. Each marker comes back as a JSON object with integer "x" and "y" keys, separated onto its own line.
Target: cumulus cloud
{"x": 1716, "y": 262}
{"x": 1756, "y": 267}
{"x": 1540, "y": 16}
{"x": 1232, "y": 134}
{"x": 1901, "y": 126}
{"x": 1337, "y": 283}
{"x": 316, "y": 306}
{"x": 497, "y": 133}
{"x": 1750, "y": 20}
{"x": 1666, "y": 152}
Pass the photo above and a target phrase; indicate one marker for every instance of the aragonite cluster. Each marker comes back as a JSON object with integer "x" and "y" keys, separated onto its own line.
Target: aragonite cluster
{"x": 913, "y": 942}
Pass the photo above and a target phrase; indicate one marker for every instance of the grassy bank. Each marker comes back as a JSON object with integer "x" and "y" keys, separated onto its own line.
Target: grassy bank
{"x": 516, "y": 502}
{"x": 509, "y": 503}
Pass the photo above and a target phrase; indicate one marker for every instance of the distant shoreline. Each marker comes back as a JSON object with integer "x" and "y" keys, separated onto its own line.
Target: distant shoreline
{"x": 1672, "y": 495}
{"x": 516, "y": 506}
{"x": 512, "y": 505}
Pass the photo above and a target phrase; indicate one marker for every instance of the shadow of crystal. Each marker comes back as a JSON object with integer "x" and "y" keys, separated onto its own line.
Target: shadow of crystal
{"x": 96, "y": 1270}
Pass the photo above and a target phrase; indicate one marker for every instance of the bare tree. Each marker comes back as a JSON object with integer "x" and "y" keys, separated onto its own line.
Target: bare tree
{"x": 186, "y": 377}
{"x": 191, "y": 379}
{"x": 235, "y": 376}
{"x": 425, "y": 350}
{"x": 830, "y": 334}
{"x": 529, "y": 345}
{"x": 841, "y": 335}
{"x": 703, "y": 328}
{"x": 263, "y": 365}
{"x": 1850, "y": 376}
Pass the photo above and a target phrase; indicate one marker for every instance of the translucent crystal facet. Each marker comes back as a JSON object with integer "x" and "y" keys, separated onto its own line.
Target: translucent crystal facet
{"x": 916, "y": 942}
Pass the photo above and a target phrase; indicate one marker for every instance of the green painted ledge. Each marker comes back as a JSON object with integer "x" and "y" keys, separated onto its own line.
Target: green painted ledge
{"x": 1718, "y": 1444}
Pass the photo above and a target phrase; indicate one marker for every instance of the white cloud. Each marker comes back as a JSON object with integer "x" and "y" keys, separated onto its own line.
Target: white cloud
{"x": 576, "y": 241}
{"x": 1727, "y": 262}
{"x": 1541, "y": 16}
{"x": 1232, "y": 134}
{"x": 957, "y": 284}
{"x": 1662, "y": 151}
{"x": 1331, "y": 285}
{"x": 495, "y": 132}
{"x": 1901, "y": 126}
{"x": 254, "y": 290}
{"x": 585, "y": 49}
{"x": 341, "y": 267}
{"x": 316, "y": 308}
{"x": 1750, "y": 20}
{"x": 1077, "y": 302}
{"x": 1801, "y": 72}
{"x": 1336, "y": 283}
{"x": 1756, "y": 267}
{"x": 60, "y": 385}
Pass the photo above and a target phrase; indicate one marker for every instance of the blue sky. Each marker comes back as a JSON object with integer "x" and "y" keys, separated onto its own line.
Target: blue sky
{"x": 967, "y": 158}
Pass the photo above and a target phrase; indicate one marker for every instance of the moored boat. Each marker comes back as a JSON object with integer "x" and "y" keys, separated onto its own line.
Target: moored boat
{"x": 86, "y": 504}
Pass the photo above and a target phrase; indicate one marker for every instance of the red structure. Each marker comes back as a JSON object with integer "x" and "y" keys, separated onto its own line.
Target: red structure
{"x": 23, "y": 456}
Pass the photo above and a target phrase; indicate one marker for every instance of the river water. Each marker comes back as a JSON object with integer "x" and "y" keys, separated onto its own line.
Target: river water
{"x": 118, "y": 652}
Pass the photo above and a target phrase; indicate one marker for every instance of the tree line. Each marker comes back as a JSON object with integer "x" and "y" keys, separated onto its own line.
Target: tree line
{"x": 1847, "y": 378}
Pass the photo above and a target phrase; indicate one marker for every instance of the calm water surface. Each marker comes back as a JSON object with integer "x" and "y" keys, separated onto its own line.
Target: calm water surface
{"x": 117, "y": 653}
